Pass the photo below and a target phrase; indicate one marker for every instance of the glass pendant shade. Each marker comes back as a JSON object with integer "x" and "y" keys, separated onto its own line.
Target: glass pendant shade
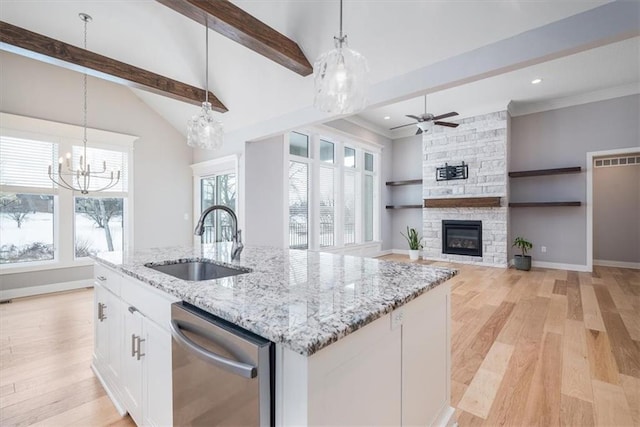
{"x": 204, "y": 130}
{"x": 341, "y": 80}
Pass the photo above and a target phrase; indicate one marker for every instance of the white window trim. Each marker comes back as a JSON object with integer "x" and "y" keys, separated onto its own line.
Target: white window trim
{"x": 66, "y": 135}
{"x": 340, "y": 139}
{"x": 219, "y": 166}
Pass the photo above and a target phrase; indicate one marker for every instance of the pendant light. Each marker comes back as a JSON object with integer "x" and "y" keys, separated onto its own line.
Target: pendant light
{"x": 83, "y": 178}
{"x": 204, "y": 130}
{"x": 340, "y": 78}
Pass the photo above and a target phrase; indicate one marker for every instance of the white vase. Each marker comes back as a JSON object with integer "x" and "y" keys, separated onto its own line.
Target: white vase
{"x": 414, "y": 254}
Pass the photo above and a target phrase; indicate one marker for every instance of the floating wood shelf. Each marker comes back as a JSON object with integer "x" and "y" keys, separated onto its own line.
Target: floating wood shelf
{"x": 406, "y": 182}
{"x": 542, "y": 204}
{"x": 463, "y": 202}
{"x": 403, "y": 206}
{"x": 541, "y": 172}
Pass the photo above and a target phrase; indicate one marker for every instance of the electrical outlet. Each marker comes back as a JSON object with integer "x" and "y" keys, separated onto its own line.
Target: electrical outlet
{"x": 543, "y": 249}
{"x": 396, "y": 318}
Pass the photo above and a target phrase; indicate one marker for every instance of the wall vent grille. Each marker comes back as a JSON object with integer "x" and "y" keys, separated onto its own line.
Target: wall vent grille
{"x": 616, "y": 161}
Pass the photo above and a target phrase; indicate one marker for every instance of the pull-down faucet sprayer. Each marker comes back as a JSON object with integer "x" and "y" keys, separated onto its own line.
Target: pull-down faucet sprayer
{"x": 237, "y": 246}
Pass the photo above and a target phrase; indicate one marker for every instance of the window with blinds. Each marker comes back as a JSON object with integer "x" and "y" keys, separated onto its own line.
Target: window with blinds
{"x": 27, "y": 200}
{"x": 327, "y": 206}
{"x": 109, "y": 160}
{"x": 298, "y": 205}
{"x": 24, "y": 163}
{"x": 349, "y": 208}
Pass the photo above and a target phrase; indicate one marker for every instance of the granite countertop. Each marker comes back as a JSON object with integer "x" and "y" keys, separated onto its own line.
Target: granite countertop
{"x": 304, "y": 300}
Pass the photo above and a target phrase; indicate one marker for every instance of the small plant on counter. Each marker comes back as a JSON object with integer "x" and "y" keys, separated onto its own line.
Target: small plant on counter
{"x": 415, "y": 243}
{"x": 522, "y": 262}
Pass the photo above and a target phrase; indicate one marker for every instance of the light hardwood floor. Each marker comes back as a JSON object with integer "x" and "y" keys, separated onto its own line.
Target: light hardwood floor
{"x": 545, "y": 347}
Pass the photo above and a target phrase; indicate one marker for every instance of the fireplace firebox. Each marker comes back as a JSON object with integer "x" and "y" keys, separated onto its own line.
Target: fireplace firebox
{"x": 462, "y": 238}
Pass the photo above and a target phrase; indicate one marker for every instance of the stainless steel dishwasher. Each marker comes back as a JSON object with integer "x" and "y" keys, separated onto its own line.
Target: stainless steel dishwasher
{"x": 222, "y": 375}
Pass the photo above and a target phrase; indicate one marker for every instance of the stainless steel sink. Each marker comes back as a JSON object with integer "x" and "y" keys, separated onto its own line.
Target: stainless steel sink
{"x": 196, "y": 270}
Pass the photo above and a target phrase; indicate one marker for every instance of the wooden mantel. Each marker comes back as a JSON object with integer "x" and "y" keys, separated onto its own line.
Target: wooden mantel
{"x": 463, "y": 202}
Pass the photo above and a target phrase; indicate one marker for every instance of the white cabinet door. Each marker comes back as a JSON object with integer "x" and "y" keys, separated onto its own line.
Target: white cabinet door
{"x": 113, "y": 311}
{"x": 101, "y": 327}
{"x": 157, "y": 376}
{"x": 132, "y": 363}
{"x": 425, "y": 357}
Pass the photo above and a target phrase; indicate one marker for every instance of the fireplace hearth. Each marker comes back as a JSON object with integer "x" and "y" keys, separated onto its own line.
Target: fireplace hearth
{"x": 462, "y": 238}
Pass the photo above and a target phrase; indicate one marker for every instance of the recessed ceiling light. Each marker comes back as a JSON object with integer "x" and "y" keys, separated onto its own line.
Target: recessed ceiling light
{"x": 536, "y": 81}
{"x": 387, "y": 117}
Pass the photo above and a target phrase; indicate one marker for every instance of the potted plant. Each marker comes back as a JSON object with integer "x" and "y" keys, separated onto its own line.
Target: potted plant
{"x": 415, "y": 243}
{"x": 522, "y": 262}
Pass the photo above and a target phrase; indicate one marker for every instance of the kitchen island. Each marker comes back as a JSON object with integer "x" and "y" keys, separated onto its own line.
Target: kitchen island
{"x": 358, "y": 340}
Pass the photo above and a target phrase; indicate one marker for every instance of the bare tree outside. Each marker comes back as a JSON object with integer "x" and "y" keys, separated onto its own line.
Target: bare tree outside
{"x": 100, "y": 211}
{"x": 14, "y": 208}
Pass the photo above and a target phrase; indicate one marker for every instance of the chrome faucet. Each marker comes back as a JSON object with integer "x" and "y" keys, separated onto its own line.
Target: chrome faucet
{"x": 237, "y": 246}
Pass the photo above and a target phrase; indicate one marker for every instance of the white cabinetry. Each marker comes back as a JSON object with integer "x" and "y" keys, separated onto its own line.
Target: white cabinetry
{"x": 394, "y": 371}
{"x": 132, "y": 349}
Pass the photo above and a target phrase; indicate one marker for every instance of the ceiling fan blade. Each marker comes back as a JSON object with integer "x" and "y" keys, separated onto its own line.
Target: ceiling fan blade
{"x": 413, "y": 117}
{"x": 444, "y": 116}
{"x": 419, "y": 131}
{"x": 398, "y": 127}
{"x": 447, "y": 124}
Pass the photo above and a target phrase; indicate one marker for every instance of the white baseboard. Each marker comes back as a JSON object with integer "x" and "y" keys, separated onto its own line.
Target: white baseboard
{"x": 7, "y": 294}
{"x": 116, "y": 402}
{"x": 559, "y": 266}
{"x": 619, "y": 264}
{"x": 383, "y": 253}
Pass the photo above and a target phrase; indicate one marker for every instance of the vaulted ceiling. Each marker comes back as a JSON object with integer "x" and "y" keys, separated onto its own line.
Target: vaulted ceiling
{"x": 412, "y": 47}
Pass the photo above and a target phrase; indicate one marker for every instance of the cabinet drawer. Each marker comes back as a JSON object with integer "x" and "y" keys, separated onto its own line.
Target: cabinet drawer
{"x": 151, "y": 302}
{"x": 108, "y": 278}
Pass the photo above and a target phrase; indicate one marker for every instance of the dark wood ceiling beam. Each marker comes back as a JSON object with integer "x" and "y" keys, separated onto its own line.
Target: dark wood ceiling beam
{"x": 234, "y": 23}
{"x": 33, "y": 45}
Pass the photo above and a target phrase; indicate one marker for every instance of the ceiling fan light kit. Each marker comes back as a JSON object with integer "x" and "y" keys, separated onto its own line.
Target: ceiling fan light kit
{"x": 65, "y": 174}
{"x": 426, "y": 121}
{"x": 204, "y": 130}
{"x": 341, "y": 78}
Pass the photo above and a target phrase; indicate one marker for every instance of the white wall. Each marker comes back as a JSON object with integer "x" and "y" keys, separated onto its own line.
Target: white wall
{"x": 561, "y": 138}
{"x": 264, "y": 192}
{"x": 162, "y": 177}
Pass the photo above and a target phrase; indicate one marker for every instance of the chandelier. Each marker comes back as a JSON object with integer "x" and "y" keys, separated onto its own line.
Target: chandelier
{"x": 340, "y": 78}
{"x": 204, "y": 130}
{"x": 81, "y": 179}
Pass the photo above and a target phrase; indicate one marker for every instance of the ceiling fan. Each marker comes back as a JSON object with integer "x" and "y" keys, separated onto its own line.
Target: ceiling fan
{"x": 426, "y": 120}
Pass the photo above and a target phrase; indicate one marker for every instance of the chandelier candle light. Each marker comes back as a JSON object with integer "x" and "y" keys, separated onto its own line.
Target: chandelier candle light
{"x": 204, "y": 130}
{"x": 341, "y": 78}
{"x": 83, "y": 175}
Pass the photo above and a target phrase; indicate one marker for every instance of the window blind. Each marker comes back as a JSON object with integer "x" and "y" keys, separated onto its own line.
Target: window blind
{"x": 327, "y": 206}
{"x": 115, "y": 161}
{"x": 25, "y": 162}
{"x": 298, "y": 205}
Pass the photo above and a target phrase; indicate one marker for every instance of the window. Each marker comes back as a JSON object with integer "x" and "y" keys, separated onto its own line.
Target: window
{"x": 27, "y": 201}
{"x": 41, "y": 224}
{"x": 217, "y": 182}
{"x": 99, "y": 224}
{"x": 332, "y": 193}
{"x": 298, "y": 205}
{"x": 218, "y": 190}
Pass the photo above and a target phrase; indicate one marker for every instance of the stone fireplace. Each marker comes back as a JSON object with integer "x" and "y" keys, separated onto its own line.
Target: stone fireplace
{"x": 481, "y": 142}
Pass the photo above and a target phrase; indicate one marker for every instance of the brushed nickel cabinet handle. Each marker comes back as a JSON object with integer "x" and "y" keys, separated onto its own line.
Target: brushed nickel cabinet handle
{"x": 133, "y": 345}
{"x": 102, "y": 278}
{"x": 101, "y": 315}
{"x": 139, "y": 351}
{"x": 132, "y": 309}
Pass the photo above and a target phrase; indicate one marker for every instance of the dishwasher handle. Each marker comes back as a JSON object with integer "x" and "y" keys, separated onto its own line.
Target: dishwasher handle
{"x": 233, "y": 366}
